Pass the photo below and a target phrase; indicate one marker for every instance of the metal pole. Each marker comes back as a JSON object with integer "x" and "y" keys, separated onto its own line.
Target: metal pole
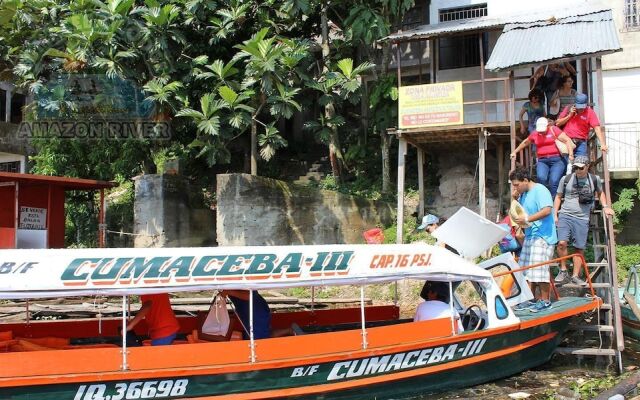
{"x": 252, "y": 343}
{"x": 453, "y": 324}
{"x": 124, "y": 333}
{"x": 17, "y": 211}
{"x": 27, "y": 314}
{"x": 402, "y": 151}
{"x": 313, "y": 297}
{"x": 420, "y": 182}
{"x": 362, "y": 320}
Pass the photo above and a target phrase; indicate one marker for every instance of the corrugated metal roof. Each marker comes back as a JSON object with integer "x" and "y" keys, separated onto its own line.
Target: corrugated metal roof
{"x": 444, "y": 28}
{"x": 488, "y": 22}
{"x": 538, "y": 42}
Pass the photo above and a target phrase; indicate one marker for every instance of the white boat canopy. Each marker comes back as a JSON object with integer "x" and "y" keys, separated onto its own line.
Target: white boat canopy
{"x": 80, "y": 272}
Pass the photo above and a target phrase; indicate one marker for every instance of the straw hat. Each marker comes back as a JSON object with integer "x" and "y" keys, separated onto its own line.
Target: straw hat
{"x": 516, "y": 211}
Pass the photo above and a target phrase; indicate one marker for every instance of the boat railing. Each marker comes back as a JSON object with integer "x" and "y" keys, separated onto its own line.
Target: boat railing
{"x": 551, "y": 281}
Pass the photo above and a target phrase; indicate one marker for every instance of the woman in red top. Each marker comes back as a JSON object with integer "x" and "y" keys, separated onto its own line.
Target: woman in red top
{"x": 161, "y": 322}
{"x": 550, "y": 165}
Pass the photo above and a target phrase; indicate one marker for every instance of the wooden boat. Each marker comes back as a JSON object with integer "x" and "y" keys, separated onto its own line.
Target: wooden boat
{"x": 629, "y": 310}
{"x": 345, "y": 353}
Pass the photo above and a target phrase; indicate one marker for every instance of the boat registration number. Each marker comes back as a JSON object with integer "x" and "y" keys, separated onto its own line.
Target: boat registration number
{"x": 132, "y": 390}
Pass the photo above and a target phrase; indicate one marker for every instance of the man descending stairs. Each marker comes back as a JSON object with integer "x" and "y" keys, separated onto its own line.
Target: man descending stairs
{"x": 602, "y": 271}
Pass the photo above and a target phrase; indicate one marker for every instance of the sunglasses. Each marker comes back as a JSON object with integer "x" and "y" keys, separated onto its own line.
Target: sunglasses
{"x": 580, "y": 168}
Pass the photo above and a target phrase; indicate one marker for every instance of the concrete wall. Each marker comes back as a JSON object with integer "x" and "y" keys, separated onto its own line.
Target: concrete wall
{"x": 629, "y": 40}
{"x": 258, "y": 211}
{"x": 168, "y": 212}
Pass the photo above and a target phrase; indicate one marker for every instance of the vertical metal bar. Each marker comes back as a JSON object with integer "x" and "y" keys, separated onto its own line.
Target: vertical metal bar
{"x": 17, "y": 215}
{"x": 313, "y": 297}
{"x": 101, "y": 227}
{"x": 482, "y": 178}
{"x": 27, "y": 316}
{"x": 124, "y": 333}
{"x": 482, "y": 86}
{"x": 500, "y": 154}
{"x": 420, "y": 182}
{"x": 402, "y": 151}
{"x": 252, "y": 342}
{"x": 362, "y": 320}
{"x": 454, "y": 331}
{"x": 48, "y": 216}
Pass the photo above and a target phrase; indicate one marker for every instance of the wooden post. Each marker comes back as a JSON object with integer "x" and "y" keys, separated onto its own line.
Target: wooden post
{"x": 609, "y": 221}
{"x": 420, "y": 183}
{"x": 402, "y": 152}
{"x": 512, "y": 117}
{"x": 7, "y": 109}
{"x": 419, "y": 61}
{"x": 500, "y": 154}
{"x": 432, "y": 60}
{"x": 484, "y": 98}
{"x": 482, "y": 147}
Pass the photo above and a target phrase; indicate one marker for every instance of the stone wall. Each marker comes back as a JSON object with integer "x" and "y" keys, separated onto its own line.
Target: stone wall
{"x": 459, "y": 183}
{"x": 168, "y": 212}
{"x": 258, "y": 211}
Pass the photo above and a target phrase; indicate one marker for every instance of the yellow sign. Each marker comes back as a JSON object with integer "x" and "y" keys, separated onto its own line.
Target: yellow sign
{"x": 436, "y": 104}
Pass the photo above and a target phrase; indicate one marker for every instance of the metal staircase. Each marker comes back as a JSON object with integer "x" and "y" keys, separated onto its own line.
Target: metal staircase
{"x": 604, "y": 276}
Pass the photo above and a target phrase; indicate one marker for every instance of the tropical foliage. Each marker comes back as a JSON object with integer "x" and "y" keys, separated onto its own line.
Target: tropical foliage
{"x": 223, "y": 75}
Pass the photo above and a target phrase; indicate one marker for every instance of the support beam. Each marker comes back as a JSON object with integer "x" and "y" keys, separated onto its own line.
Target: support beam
{"x": 402, "y": 152}
{"x": 420, "y": 183}
{"x": 482, "y": 87}
{"x": 500, "y": 155}
{"x": 482, "y": 194}
{"x": 512, "y": 117}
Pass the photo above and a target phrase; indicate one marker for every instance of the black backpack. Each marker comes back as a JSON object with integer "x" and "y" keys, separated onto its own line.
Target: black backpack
{"x": 592, "y": 187}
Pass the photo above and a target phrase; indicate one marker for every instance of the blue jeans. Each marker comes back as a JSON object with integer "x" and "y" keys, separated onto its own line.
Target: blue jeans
{"x": 549, "y": 170}
{"x": 163, "y": 341}
{"x": 581, "y": 149}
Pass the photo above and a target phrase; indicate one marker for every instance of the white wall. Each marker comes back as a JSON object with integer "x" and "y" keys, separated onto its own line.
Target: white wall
{"x": 621, "y": 95}
{"x": 502, "y": 7}
{"x": 8, "y": 157}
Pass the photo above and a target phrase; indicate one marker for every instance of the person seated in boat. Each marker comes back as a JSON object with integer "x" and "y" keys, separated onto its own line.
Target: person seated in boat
{"x": 261, "y": 314}
{"x": 161, "y": 321}
{"x": 436, "y": 304}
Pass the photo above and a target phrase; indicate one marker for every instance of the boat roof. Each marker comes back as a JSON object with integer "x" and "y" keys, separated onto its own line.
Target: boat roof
{"x": 31, "y": 273}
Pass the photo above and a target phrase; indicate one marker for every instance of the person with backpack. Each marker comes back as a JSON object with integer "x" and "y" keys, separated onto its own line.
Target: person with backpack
{"x": 573, "y": 203}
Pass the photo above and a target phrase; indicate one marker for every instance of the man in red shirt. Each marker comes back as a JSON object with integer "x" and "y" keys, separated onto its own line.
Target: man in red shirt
{"x": 577, "y": 120}
{"x": 161, "y": 322}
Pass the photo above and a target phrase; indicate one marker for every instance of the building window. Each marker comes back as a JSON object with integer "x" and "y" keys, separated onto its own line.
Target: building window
{"x": 11, "y": 166}
{"x": 414, "y": 18}
{"x": 458, "y": 13}
{"x": 461, "y": 51}
{"x": 631, "y": 14}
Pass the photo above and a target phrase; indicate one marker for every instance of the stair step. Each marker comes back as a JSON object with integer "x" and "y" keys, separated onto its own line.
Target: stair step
{"x": 596, "y": 285}
{"x": 577, "y": 351}
{"x": 598, "y": 264}
{"x": 592, "y": 328}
